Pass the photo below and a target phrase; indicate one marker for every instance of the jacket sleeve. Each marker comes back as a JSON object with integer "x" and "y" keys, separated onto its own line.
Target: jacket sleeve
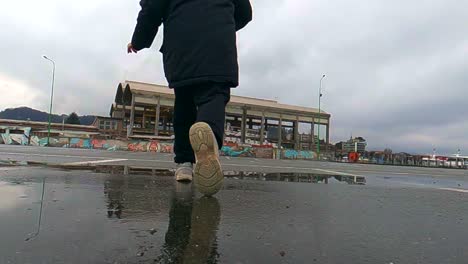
{"x": 148, "y": 21}
{"x": 243, "y": 13}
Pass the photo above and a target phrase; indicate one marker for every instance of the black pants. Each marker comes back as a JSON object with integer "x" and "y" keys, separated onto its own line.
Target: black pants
{"x": 198, "y": 103}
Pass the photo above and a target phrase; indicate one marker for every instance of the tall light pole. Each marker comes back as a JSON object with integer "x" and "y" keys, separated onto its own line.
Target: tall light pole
{"x": 320, "y": 118}
{"x": 51, "y": 99}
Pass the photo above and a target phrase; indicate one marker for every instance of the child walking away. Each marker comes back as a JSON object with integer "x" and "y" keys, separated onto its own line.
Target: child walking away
{"x": 200, "y": 63}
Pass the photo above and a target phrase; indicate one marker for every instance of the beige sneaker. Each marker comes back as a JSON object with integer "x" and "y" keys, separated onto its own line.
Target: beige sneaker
{"x": 184, "y": 172}
{"x": 208, "y": 174}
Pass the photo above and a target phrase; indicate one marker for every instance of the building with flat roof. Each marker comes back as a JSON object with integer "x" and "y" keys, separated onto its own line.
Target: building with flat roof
{"x": 357, "y": 144}
{"x": 147, "y": 113}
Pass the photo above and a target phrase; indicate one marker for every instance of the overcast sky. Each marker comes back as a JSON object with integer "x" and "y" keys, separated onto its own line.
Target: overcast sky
{"x": 396, "y": 70}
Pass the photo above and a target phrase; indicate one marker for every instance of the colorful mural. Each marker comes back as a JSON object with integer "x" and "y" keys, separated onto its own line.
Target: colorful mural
{"x": 80, "y": 143}
{"x": 111, "y": 145}
{"x": 232, "y": 151}
{"x": 263, "y": 151}
{"x": 20, "y": 136}
{"x": 298, "y": 154}
{"x": 150, "y": 146}
{"x": 229, "y": 149}
{"x": 253, "y": 151}
{"x": 137, "y": 146}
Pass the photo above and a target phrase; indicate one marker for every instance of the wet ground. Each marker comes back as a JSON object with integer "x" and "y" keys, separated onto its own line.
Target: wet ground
{"x": 59, "y": 216}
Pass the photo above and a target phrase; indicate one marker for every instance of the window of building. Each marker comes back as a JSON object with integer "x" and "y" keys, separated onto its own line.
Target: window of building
{"x": 108, "y": 124}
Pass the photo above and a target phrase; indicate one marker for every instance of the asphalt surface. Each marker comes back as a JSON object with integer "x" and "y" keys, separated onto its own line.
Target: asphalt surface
{"x": 165, "y": 161}
{"x": 268, "y": 212}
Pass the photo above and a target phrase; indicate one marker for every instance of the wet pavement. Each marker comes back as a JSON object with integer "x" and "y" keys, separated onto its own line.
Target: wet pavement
{"x": 59, "y": 216}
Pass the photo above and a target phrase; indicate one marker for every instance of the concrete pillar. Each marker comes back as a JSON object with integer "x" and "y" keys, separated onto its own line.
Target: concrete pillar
{"x": 225, "y": 122}
{"x": 225, "y": 128}
{"x": 243, "y": 125}
{"x": 328, "y": 135}
{"x": 143, "y": 125}
{"x": 158, "y": 113}
{"x": 280, "y": 135}
{"x": 262, "y": 129}
{"x": 312, "y": 132}
{"x": 132, "y": 117}
{"x": 297, "y": 141}
{"x": 124, "y": 117}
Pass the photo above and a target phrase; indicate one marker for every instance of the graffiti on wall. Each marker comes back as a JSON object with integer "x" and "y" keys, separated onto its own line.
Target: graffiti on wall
{"x": 298, "y": 154}
{"x": 150, "y": 146}
{"x": 15, "y": 135}
{"x": 100, "y": 144}
{"x": 232, "y": 151}
{"x": 80, "y": 143}
{"x": 255, "y": 151}
{"x": 137, "y": 146}
{"x": 263, "y": 152}
{"x": 111, "y": 145}
{"x": 166, "y": 147}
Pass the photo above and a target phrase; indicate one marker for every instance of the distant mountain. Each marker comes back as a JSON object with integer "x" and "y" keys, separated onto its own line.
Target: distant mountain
{"x": 26, "y": 113}
{"x": 87, "y": 120}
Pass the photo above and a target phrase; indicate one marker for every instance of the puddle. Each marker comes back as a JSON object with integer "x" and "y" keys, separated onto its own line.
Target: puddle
{"x": 127, "y": 170}
{"x": 146, "y": 219}
{"x": 282, "y": 177}
{"x": 128, "y": 219}
{"x": 297, "y": 177}
{"x": 12, "y": 194}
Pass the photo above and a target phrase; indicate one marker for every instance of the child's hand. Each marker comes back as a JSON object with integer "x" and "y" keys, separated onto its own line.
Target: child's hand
{"x": 130, "y": 48}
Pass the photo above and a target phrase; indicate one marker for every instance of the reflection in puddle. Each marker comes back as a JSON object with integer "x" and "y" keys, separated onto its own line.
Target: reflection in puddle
{"x": 285, "y": 177}
{"x": 193, "y": 223}
{"x": 191, "y": 235}
{"x": 11, "y": 194}
{"x": 144, "y": 218}
{"x": 297, "y": 177}
{"x": 127, "y": 170}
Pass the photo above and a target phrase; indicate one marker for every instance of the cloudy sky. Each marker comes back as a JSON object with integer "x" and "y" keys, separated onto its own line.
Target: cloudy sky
{"x": 396, "y": 70}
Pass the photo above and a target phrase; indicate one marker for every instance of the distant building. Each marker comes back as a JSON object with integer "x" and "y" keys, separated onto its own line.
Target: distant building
{"x": 357, "y": 144}
{"x": 109, "y": 127}
{"x": 147, "y": 112}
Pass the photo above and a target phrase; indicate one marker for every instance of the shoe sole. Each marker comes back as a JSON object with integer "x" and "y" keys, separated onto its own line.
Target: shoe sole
{"x": 184, "y": 178}
{"x": 208, "y": 176}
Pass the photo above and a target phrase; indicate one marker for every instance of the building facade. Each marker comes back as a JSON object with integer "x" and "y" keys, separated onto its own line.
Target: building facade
{"x": 146, "y": 111}
{"x": 357, "y": 144}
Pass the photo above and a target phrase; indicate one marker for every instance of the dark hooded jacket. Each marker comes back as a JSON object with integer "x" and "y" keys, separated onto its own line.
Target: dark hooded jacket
{"x": 199, "y": 38}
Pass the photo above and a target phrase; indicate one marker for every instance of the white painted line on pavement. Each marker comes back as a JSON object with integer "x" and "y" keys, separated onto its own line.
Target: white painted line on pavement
{"x": 110, "y": 159}
{"x": 83, "y": 157}
{"x": 114, "y": 159}
{"x": 289, "y": 168}
{"x": 94, "y": 162}
{"x": 454, "y": 190}
{"x": 415, "y": 173}
{"x": 339, "y": 173}
{"x": 385, "y": 172}
{"x": 49, "y": 155}
{"x": 9, "y": 168}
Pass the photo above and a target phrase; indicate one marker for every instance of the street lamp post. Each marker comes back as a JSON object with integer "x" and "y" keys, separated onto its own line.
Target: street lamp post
{"x": 51, "y": 99}
{"x": 320, "y": 119}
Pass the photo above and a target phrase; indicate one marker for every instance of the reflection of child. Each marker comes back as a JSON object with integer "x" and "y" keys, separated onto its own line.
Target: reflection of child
{"x": 200, "y": 63}
{"x": 191, "y": 234}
